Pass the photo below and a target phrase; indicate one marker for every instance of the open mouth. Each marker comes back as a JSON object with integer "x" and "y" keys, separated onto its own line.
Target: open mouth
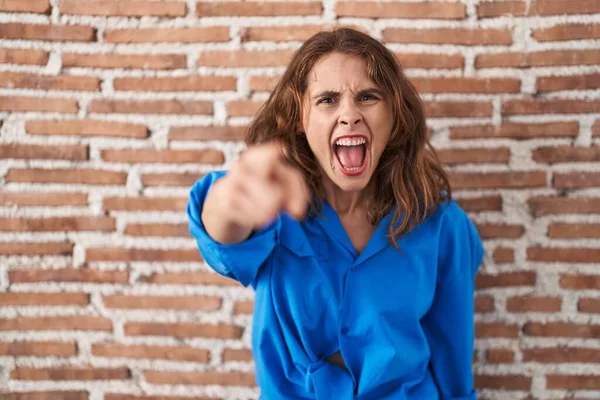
{"x": 351, "y": 153}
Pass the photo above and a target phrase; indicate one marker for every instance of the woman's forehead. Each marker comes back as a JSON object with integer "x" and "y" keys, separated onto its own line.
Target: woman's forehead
{"x": 337, "y": 72}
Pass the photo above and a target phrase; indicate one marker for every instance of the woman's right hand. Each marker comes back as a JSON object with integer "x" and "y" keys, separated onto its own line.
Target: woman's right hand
{"x": 259, "y": 185}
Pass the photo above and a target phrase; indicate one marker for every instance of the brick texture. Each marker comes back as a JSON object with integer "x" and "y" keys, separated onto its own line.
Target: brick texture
{"x": 113, "y": 109}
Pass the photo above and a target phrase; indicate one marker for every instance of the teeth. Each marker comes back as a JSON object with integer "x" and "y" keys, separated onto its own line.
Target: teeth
{"x": 350, "y": 142}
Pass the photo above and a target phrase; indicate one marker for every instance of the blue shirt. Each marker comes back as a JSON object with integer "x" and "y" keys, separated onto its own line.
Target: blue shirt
{"x": 403, "y": 321}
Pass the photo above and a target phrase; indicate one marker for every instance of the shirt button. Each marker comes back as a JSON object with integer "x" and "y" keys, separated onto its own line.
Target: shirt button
{"x": 345, "y": 330}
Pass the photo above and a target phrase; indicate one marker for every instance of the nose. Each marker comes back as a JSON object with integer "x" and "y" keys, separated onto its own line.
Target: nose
{"x": 349, "y": 115}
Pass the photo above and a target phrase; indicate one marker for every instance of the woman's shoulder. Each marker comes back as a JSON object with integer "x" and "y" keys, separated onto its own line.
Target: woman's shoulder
{"x": 448, "y": 211}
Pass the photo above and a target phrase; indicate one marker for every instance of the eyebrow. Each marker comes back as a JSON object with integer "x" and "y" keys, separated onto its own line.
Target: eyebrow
{"x": 332, "y": 93}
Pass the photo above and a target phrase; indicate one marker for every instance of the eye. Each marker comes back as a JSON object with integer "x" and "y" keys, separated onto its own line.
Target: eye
{"x": 367, "y": 97}
{"x": 326, "y": 100}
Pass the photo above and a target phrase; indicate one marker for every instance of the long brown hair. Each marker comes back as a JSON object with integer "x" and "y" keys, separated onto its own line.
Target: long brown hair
{"x": 409, "y": 174}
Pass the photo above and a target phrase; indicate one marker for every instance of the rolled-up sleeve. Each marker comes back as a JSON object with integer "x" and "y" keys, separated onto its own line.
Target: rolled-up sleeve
{"x": 240, "y": 261}
{"x": 449, "y": 324}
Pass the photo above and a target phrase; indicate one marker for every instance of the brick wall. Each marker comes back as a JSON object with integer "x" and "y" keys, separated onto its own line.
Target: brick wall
{"x": 112, "y": 109}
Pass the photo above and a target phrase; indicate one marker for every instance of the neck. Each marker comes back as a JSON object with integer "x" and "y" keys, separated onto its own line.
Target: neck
{"x": 345, "y": 203}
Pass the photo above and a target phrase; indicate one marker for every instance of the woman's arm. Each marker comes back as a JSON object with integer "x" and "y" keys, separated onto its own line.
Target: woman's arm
{"x": 449, "y": 324}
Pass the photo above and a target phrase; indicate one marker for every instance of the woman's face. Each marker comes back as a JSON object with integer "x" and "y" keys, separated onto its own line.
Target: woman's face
{"x": 347, "y": 120}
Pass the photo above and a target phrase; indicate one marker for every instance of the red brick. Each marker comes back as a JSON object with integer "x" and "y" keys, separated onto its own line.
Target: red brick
{"x": 500, "y": 356}
{"x": 176, "y": 84}
{"x": 257, "y": 8}
{"x": 234, "y": 378}
{"x": 579, "y": 82}
{"x": 243, "y": 108}
{"x": 243, "y": 355}
{"x": 86, "y": 127}
{"x": 563, "y": 254}
{"x": 539, "y": 7}
{"x": 467, "y": 85}
{"x": 46, "y": 395}
{"x": 567, "y": 32}
{"x": 245, "y": 58}
{"x": 570, "y": 231}
{"x": 573, "y": 382}
{"x": 589, "y": 306}
{"x": 200, "y": 303}
{"x": 596, "y": 129}
{"x": 168, "y": 35}
{"x": 427, "y": 60}
{"x": 576, "y": 180}
{"x": 23, "y": 56}
{"x": 171, "y": 179}
{"x": 474, "y": 155}
{"x": 114, "y": 396}
{"x": 38, "y": 349}
{"x": 503, "y": 255}
{"x": 505, "y": 279}
{"x": 484, "y": 304}
{"x": 46, "y": 199}
{"x": 496, "y": 330}
{"x": 115, "y": 350}
{"x": 459, "y": 36}
{"x": 428, "y": 10}
{"x": 145, "y": 203}
{"x": 564, "y": 205}
{"x": 579, "y": 281}
{"x": 147, "y": 255}
{"x": 69, "y": 374}
{"x": 493, "y": 231}
{"x": 36, "y": 248}
{"x": 533, "y": 304}
{"x": 158, "y": 229}
{"x": 553, "y": 106}
{"x": 483, "y": 203}
{"x": 55, "y": 33}
{"x": 43, "y": 152}
{"x": 243, "y": 307}
{"x": 188, "y": 278}
{"x": 48, "y": 82}
{"x": 183, "y": 330}
{"x": 189, "y": 107}
{"x": 204, "y": 156}
{"x": 516, "y": 131}
{"x": 129, "y": 61}
{"x": 457, "y": 109}
{"x": 279, "y": 33}
{"x": 87, "y": 275}
{"x": 476, "y": 180}
{"x": 221, "y": 133}
{"x": 76, "y": 176}
{"x": 44, "y": 104}
{"x": 546, "y": 58}
{"x": 58, "y": 224}
{"x": 43, "y": 299}
{"x": 557, "y": 355}
{"x": 124, "y": 8}
{"x": 500, "y": 8}
{"x": 30, "y": 6}
{"x": 561, "y": 329}
{"x": 79, "y": 322}
{"x": 263, "y": 83}
{"x": 503, "y": 382}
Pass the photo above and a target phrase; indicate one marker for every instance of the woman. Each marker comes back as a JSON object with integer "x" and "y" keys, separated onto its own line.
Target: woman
{"x": 340, "y": 216}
